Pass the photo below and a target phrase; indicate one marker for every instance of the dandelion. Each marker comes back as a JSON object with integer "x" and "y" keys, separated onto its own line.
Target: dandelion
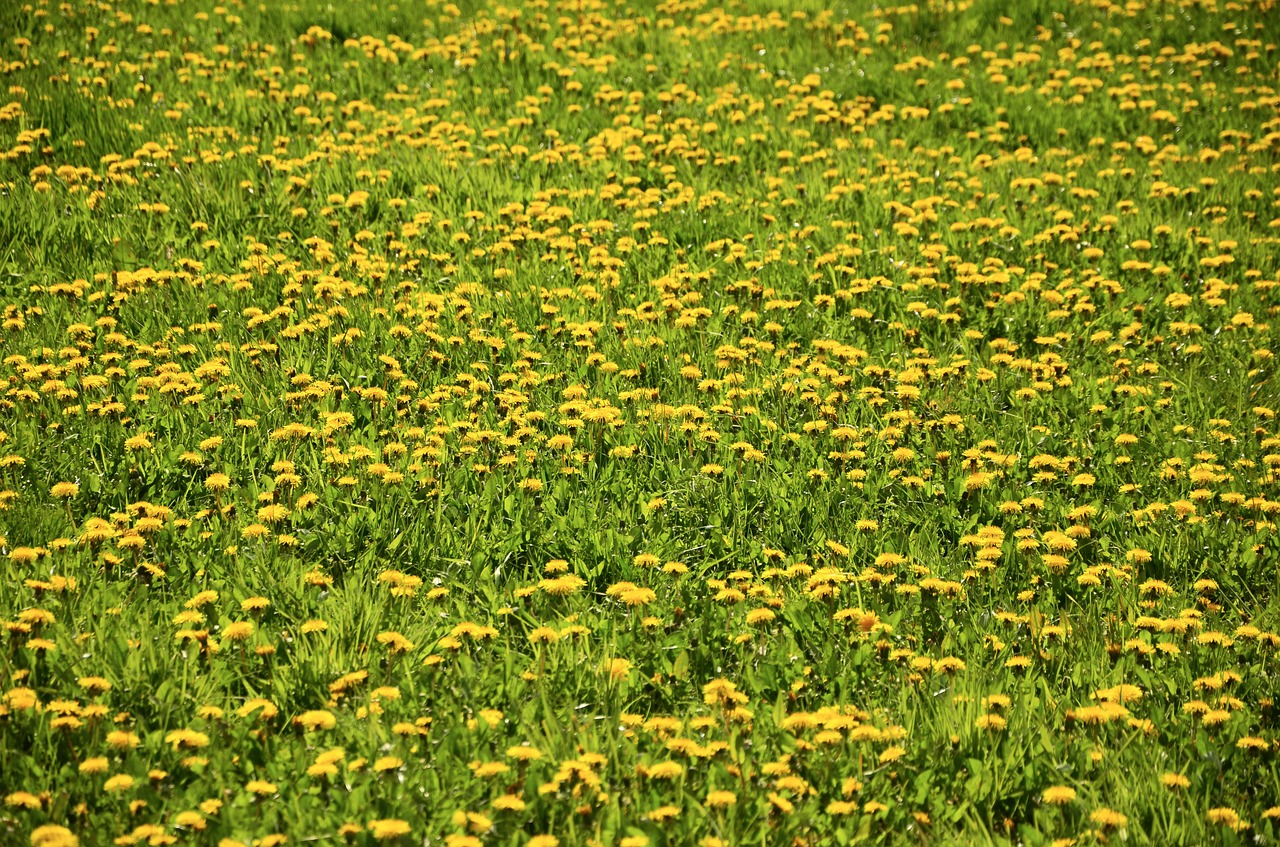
{"x": 122, "y": 740}
{"x": 664, "y": 770}
{"x": 53, "y": 835}
{"x": 315, "y": 720}
{"x": 1058, "y": 795}
{"x": 217, "y": 482}
{"x": 388, "y": 829}
{"x": 190, "y": 820}
{"x": 1108, "y": 818}
{"x": 202, "y": 599}
{"x": 617, "y": 668}
{"x": 720, "y": 799}
{"x": 94, "y": 684}
{"x": 139, "y": 442}
{"x": 254, "y": 604}
{"x": 22, "y": 800}
{"x": 509, "y": 803}
{"x": 991, "y": 723}
{"x": 1224, "y": 816}
{"x": 24, "y": 555}
{"x": 524, "y": 753}
{"x": 238, "y": 631}
{"x": 118, "y": 783}
{"x": 563, "y": 585}
{"x": 395, "y": 642}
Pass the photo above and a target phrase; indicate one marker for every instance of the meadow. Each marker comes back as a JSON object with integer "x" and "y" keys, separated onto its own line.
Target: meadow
{"x": 569, "y": 422}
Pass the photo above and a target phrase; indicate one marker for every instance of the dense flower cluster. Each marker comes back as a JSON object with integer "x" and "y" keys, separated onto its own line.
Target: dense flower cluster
{"x": 572, "y": 422}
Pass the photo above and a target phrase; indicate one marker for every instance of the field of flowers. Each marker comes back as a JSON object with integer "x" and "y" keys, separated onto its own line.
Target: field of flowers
{"x": 570, "y": 422}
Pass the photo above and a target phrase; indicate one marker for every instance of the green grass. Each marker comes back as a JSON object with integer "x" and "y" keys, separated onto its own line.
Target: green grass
{"x": 909, "y": 427}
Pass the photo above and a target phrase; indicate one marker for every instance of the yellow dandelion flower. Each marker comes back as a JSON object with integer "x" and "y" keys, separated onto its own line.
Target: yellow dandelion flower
{"x": 65, "y": 490}
{"x": 22, "y": 800}
{"x": 388, "y": 828}
{"x": 617, "y": 668}
{"x": 239, "y": 631}
{"x": 1058, "y": 795}
{"x": 664, "y": 770}
{"x": 720, "y": 799}
{"x": 316, "y": 719}
{"x": 1224, "y": 816}
{"x": 524, "y": 753}
{"x": 53, "y": 835}
{"x": 118, "y": 783}
{"x": 1108, "y": 818}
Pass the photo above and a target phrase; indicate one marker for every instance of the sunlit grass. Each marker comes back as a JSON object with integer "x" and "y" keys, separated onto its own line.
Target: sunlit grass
{"x": 575, "y": 423}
